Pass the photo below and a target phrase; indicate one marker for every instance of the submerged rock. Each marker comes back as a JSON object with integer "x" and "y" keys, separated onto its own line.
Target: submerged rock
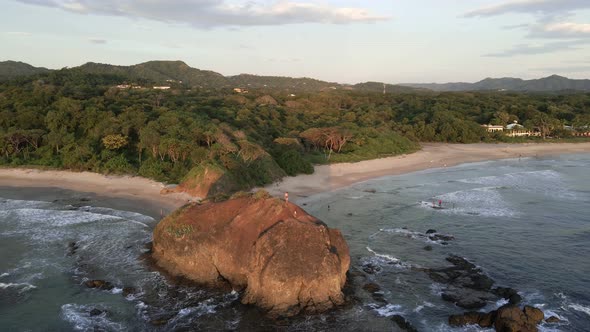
{"x": 96, "y": 312}
{"x": 403, "y": 323}
{"x": 286, "y": 260}
{"x": 553, "y": 319}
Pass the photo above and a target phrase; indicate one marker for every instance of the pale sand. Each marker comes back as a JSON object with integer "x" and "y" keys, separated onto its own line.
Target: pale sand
{"x": 325, "y": 178}
{"x": 124, "y": 187}
{"x": 432, "y": 155}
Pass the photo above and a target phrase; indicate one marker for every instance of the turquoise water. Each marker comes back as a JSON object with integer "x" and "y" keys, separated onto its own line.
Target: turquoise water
{"x": 526, "y": 223}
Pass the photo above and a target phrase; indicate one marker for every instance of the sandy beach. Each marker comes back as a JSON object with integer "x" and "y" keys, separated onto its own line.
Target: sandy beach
{"x": 432, "y": 155}
{"x": 123, "y": 192}
{"x": 130, "y": 191}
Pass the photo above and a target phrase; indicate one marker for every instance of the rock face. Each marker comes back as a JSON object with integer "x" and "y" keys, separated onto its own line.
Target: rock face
{"x": 286, "y": 260}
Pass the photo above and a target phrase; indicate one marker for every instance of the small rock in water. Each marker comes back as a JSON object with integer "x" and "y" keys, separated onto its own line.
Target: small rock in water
{"x": 371, "y": 269}
{"x": 128, "y": 291}
{"x": 428, "y": 248}
{"x": 371, "y": 287}
{"x": 159, "y": 322}
{"x": 95, "y": 312}
{"x": 100, "y": 284}
{"x": 371, "y": 191}
{"x": 440, "y": 237}
{"x": 553, "y": 319}
{"x": 72, "y": 247}
{"x": 431, "y": 231}
{"x": 403, "y": 323}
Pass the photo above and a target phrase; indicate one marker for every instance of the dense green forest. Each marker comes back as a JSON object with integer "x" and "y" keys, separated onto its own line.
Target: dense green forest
{"x": 81, "y": 120}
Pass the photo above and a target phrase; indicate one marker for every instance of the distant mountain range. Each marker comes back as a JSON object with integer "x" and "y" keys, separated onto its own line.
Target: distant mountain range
{"x": 547, "y": 84}
{"x": 178, "y": 72}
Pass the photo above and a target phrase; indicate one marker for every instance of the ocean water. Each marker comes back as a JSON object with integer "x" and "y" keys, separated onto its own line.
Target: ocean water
{"x": 525, "y": 222}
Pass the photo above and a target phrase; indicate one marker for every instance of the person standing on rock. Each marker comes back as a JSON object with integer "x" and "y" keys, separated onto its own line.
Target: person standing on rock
{"x": 286, "y": 197}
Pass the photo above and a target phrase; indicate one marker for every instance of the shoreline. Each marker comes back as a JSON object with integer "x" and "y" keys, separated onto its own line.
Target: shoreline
{"x": 433, "y": 155}
{"x": 132, "y": 193}
{"x": 143, "y": 195}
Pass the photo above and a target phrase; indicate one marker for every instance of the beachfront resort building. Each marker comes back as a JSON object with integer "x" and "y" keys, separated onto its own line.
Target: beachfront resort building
{"x": 512, "y": 130}
{"x": 493, "y": 128}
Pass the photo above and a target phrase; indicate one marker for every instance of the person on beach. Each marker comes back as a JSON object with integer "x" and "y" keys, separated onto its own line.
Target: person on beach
{"x": 439, "y": 203}
{"x": 286, "y": 197}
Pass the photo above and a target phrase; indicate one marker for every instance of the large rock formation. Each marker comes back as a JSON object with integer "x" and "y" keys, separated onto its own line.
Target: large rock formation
{"x": 286, "y": 260}
{"x": 508, "y": 318}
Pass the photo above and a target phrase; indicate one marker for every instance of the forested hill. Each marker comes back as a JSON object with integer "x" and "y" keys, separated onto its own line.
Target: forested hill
{"x": 160, "y": 73}
{"x": 552, "y": 83}
{"x": 178, "y": 73}
{"x": 87, "y": 118}
{"x": 14, "y": 69}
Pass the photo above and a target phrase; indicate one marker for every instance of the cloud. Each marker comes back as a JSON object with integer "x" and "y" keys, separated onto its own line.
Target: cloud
{"x": 215, "y": 13}
{"x": 97, "y": 41}
{"x": 550, "y": 21}
{"x": 538, "y": 7}
{"x": 527, "y": 49}
{"x": 562, "y": 29}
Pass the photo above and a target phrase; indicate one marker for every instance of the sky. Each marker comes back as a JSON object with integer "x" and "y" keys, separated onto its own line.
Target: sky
{"x": 347, "y": 41}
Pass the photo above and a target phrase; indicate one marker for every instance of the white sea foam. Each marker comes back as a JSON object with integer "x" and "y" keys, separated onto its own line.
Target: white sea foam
{"x": 23, "y": 287}
{"x": 15, "y": 204}
{"x": 132, "y": 216}
{"x": 581, "y": 308}
{"x": 81, "y": 320}
{"x": 437, "y": 289}
{"x": 410, "y": 234}
{"x": 387, "y": 310}
{"x": 4, "y": 275}
{"x": 547, "y": 182}
{"x": 385, "y": 256}
{"x": 425, "y": 304}
{"x": 486, "y": 201}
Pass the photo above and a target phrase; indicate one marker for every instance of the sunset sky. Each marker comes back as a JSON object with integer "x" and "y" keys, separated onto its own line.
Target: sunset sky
{"x": 395, "y": 41}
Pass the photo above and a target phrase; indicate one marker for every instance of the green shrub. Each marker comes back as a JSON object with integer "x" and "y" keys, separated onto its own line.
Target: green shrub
{"x": 117, "y": 165}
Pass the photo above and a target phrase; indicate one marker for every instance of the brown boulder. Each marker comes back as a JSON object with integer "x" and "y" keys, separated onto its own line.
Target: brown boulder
{"x": 510, "y": 318}
{"x": 533, "y": 315}
{"x": 287, "y": 260}
{"x": 553, "y": 319}
{"x": 472, "y": 318}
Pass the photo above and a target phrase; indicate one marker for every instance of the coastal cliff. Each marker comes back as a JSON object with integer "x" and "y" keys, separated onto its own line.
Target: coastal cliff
{"x": 284, "y": 259}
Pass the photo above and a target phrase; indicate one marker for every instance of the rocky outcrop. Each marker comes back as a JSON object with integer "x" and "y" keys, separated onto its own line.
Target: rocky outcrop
{"x": 285, "y": 260}
{"x": 508, "y": 318}
{"x": 467, "y": 286}
{"x": 206, "y": 180}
